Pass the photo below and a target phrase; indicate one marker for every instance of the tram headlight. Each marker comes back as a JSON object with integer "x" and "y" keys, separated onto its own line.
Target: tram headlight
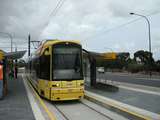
{"x": 57, "y": 84}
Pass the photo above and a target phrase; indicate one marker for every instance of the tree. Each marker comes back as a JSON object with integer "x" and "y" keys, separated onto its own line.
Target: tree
{"x": 157, "y": 65}
{"x": 145, "y": 57}
{"x": 158, "y": 62}
{"x": 123, "y": 59}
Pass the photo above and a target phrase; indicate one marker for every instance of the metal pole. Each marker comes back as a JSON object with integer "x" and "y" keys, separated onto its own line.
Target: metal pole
{"x": 149, "y": 37}
{"x": 15, "y": 46}
{"x": 29, "y": 43}
{"x": 11, "y": 42}
{"x": 15, "y": 65}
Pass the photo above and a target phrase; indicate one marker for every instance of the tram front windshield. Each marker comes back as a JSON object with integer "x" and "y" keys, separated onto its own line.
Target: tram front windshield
{"x": 67, "y": 62}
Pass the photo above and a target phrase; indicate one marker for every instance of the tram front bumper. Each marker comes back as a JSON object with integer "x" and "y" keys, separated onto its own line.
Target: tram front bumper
{"x": 67, "y": 94}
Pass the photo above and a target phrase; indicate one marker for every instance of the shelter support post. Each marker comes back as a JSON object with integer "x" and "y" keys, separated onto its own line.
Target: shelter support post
{"x": 93, "y": 72}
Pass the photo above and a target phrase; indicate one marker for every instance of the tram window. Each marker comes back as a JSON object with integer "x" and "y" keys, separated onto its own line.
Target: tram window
{"x": 45, "y": 67}
{"x": 67, "y": 63}
{"x": 36, "y": 66}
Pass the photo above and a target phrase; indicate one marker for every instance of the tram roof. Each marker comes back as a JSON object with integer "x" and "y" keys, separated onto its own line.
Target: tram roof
{"x": 53, "y": 41}
{"x": 49, "y": 42}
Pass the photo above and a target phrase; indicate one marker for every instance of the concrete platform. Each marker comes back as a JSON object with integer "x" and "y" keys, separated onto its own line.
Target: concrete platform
{"x": 16, "y": 106}
{"x": 134, "y": 100}
{"x": 20, "y": 102}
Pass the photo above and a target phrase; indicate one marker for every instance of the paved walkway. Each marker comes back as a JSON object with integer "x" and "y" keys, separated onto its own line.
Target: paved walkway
{"x": 16, "y": 106}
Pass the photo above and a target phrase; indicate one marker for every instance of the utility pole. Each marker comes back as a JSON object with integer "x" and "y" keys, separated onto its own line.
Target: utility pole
{"x": 29, "y": 53}
{"x": 29, "y": 44}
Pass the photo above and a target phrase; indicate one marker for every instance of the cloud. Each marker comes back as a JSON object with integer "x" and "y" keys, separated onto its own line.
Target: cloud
{"x": 122, "y": 9}
{"x": 89, "y": 21}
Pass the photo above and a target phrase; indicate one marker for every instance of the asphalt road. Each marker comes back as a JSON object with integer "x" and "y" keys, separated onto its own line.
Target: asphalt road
{"x": 131, "y": 78}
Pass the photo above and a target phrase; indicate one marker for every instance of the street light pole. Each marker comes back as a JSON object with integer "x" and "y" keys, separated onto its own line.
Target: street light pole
{"x": 149, "y": 29}
{"x": 10, "y": 38}
{"x": 149, "y": 34}
{"x": 15, "y": 46}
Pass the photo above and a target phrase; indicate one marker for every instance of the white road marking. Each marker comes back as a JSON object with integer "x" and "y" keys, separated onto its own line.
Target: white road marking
{"x": 120, "y": 85}
{"x": 130, "y": 75}
{"x": 139, "y": 90}
{"x": 36, "y": 110}
{"x": 154, "y": 79}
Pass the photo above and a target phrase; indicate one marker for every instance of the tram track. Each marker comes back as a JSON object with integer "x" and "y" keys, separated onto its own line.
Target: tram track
{"x": 62, "y": 113}
{"x": 81, "y": 106}
{"x": 61, "y": 110}
{"x": 78, "y": 110}
{"x": 97, "y": 111}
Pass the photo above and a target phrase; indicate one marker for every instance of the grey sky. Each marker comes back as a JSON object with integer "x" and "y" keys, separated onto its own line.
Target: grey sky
{"x": 90, "y": 21}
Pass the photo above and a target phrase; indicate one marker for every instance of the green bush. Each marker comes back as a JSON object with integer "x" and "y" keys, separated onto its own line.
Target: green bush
{"x": 134, "y": 68}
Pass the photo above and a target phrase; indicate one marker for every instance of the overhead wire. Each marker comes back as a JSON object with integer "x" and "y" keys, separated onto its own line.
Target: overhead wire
{"x": 135, "y": 20}
{"x": 58, "y": 6}
{"x": 127, "y": 23}
{"x": 19, "y": 42}
{"x": 54, "y": 12}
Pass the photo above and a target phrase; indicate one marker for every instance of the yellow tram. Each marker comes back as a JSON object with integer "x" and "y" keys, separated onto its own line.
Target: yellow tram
{"x": 55, "y": 70}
